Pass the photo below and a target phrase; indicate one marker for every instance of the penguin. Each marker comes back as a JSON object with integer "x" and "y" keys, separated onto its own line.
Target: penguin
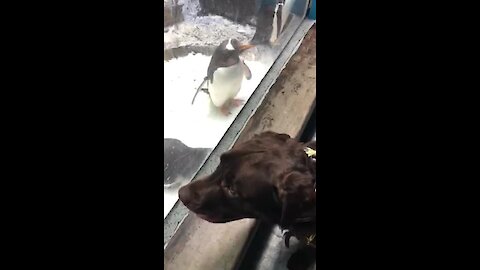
{"x": 180, "y": 162}
{"x": 225, "y": 75}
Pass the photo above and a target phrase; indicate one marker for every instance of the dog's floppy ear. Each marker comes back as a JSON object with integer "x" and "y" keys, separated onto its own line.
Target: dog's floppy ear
{"x": 298, "y": 198}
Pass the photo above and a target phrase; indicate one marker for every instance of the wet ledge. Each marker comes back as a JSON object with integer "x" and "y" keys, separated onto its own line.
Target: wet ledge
{"x": 282, "y": 103}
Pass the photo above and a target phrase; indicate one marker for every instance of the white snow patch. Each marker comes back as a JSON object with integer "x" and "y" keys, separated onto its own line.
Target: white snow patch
{"x": 169, "y": 201}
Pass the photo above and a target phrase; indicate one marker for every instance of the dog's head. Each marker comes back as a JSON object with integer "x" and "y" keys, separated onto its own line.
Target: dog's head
{"x": 269, "y": 177}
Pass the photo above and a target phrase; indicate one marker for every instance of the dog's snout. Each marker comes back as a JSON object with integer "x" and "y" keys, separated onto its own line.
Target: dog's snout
{"x": 186, "y": 195}
{"x": 183, "y": 195}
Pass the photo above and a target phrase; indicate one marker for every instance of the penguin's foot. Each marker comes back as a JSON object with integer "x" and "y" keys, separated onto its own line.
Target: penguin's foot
{"x": 237, "y": 102}
{"x": 225, "y": 110}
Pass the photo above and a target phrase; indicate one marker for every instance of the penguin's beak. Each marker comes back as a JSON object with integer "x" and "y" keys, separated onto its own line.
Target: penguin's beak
{"x": 245, "y": 47}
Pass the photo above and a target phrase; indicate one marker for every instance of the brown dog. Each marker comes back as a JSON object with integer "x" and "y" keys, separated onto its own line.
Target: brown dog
{"x": 271, "y": 177}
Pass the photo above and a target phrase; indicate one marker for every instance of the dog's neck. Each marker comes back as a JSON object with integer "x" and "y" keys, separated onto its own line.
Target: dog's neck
{"x": 305, "y": 228}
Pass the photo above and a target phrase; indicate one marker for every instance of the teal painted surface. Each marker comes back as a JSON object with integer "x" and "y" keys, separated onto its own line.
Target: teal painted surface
{"x": 312, "y": 15}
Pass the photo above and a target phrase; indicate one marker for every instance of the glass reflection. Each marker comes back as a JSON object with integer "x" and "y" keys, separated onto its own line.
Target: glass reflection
{"x": 217, "y": 51}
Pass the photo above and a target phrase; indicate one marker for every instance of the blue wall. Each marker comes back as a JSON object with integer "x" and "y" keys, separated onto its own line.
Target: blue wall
{"x": 312, "y": 14}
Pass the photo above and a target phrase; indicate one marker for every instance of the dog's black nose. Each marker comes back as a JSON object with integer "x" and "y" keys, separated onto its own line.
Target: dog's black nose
{"x": 190, "y": 197}
{"x": 185, "y": 195}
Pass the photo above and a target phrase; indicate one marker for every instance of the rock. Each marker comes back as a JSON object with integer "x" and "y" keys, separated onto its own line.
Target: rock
{"x": 172, "y": 14}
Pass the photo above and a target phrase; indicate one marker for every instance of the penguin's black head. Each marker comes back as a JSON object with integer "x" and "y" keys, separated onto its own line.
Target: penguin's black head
{"x": 234, "y": 45}
{"x": 228, "y": 52}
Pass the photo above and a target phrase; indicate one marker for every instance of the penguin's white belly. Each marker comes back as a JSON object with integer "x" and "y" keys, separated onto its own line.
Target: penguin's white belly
{"x": 227, "y": 82}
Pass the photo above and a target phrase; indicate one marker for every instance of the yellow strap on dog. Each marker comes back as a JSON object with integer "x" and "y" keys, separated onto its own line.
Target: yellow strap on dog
{"x": 310, "y": 152}
{"x": 310, "y": 239}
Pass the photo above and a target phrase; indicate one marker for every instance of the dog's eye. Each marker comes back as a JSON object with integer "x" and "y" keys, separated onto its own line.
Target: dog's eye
{"x": 231, "y": 191}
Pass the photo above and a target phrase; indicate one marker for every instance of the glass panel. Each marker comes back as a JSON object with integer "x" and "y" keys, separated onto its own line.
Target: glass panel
{"x": 217, "y": 51}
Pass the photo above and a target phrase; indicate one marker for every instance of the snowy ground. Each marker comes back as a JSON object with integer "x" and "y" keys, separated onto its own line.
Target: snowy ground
{"x": 169, "y": 200}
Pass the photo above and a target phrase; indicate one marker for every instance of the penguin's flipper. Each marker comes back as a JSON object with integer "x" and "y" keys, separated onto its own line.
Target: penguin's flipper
{"x": 200, "y": 88}
{"x": 246, "y": 71}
